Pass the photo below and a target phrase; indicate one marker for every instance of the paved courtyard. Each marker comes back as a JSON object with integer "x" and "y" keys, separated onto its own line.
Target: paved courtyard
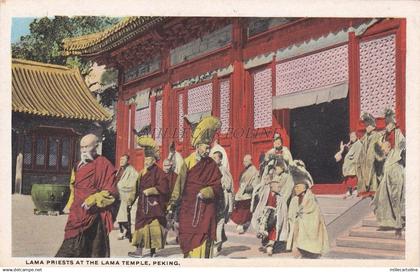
{"x": 41, "y": 235}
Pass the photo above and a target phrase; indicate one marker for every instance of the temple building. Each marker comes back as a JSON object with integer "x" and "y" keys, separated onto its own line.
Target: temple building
{"x": 51, "y": 109}
{"x": 307, "y": 78}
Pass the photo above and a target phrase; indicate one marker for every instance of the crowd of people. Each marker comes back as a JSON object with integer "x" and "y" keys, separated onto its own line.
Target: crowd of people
{"x": 194, "y": 198}
{"x": 374, "y": 166}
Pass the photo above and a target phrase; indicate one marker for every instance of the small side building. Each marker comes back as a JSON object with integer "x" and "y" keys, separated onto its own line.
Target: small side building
{"x": 51, "y": 109}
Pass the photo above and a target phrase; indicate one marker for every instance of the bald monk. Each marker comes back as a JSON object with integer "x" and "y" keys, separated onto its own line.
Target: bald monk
{"x": 242, "y": 209}
{"x": 90, "y": 220}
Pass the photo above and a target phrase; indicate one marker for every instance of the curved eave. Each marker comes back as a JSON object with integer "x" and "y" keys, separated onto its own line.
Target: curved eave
{"x": 113, "y": 37}
{"x": 61, "y": 116}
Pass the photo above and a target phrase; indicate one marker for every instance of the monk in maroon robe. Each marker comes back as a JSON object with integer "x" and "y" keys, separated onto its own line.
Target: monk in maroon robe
{"x": 90, "y": 219}
{"x": 197, "y": 217}
{"x": 152, "y": 194}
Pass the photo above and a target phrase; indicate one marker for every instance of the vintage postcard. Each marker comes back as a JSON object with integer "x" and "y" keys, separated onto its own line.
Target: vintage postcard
{"x": 275, "y": 135}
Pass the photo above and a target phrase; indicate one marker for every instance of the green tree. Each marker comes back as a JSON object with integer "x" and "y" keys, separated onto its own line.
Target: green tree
{"x": 45, "y": 41}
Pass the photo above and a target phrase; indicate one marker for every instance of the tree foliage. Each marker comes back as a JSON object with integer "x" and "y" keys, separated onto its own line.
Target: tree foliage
{"x": 45, "y": 41}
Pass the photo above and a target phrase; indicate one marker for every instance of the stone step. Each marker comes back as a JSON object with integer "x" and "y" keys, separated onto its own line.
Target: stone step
{"x": 373, "y": 232}
{"x": 370, "y": 222}
{"x": 371, "y": 243}
{"x": 364, "y": 253}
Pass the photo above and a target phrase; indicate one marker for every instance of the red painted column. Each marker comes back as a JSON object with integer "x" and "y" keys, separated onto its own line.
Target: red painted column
{"x": 119, "y": 129}
{"x": 400, "y": 74}
{"x": 186, "y": 141}
{"x": 152, "y": 106}
{"x": 169, "y": 110}
{"x": 132, "y": 143}
{"x": 354, "y": 82}
{"x": 124, "y": 132}
{"x": 120, "y": 111}
{"x": 238, "y": 102}
{"x": 216, "y": 97}
{"x": 167, "y": 125}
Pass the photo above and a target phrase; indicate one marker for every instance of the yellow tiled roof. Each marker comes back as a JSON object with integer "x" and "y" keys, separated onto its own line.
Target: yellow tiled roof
{"x": 110, "y": 38}
{"x": 53, "y": 90}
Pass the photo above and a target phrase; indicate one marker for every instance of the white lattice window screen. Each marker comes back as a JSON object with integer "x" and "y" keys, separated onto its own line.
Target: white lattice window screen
{"x": 313, "y": 71}
{"x": 158, "y": 122}
{"x": 377, "y": 75}
{"x": 224, "y": 105}
{"x": 143, "y": 118}
{"x": 262, "y": 99}
{"x": 199, "y": 98}
{"x": 181, "y": 117}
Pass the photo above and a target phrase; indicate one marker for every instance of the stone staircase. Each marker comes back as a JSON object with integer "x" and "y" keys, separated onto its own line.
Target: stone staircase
{"x": 366, "y": 241}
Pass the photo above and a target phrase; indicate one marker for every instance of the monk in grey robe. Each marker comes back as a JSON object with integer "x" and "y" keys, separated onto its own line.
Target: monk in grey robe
{"x": 368, "y": 170}
{"x": 216, "y": 147}
{"x": 351, "y": 152}
{"x": 176, "y": 170}
{"x": 394, "y": 136}
{"x": 279, "y": 149}
{"x": 302, "y": 167}
{"x": 248, "y": 179}
{"x": 308, "y": 237}
{"x": 126, "y": 177}
{"x": 224, "y": 204}
{"x": 272, "y": 222}
{"x": 389, "y": 201}
{"x": 268, "y": 163}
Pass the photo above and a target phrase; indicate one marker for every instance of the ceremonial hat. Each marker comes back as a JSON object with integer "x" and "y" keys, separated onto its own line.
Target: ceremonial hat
{"x": 368, "y": 119}
{"x": 389, "y": 116}
{"x": 281, "y": 161}
{"x": 299, "y": 176}
{"x": 149, "y": 145}
{"x": 276, "y": 137}
{"x": 205, "y": 130}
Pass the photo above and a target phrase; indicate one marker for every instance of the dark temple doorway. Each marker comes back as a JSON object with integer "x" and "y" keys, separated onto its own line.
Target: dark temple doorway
{"x": 315, "y": 135}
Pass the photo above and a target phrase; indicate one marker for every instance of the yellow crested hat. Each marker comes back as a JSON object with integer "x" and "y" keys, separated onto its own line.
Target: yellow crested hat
{"x": 205, "y": 130}
{"x": 148, "y": 144}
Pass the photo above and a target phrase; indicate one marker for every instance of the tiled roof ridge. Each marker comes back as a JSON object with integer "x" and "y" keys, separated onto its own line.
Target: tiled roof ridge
{"x": 32, "y": 63}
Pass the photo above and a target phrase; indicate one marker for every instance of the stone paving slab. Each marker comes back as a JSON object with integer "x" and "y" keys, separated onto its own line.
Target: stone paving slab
{"x": 42, "y": 235}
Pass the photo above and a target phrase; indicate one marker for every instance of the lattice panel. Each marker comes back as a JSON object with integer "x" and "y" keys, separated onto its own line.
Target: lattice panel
{"x": 158, "y": 122}
{"x": 142, "y": 118}
{"x": 181, "y": 117}
{"x": 65, "y": 152}
{"x": 225, "y": 105}
{"x": 377, "y": 75}
{"x": 199, "y": 98}
{"x": 40, "y": 151}
{"x": 27, "y": 156}
{"x": 312, "y": 71}
{"x": 262, "y": 99}
{"x": 53, "y": 151}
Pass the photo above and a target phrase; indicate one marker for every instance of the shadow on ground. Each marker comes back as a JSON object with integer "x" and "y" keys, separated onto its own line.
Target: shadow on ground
{"x": 169, "y": 251}
{"x": 232, "y": 249}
